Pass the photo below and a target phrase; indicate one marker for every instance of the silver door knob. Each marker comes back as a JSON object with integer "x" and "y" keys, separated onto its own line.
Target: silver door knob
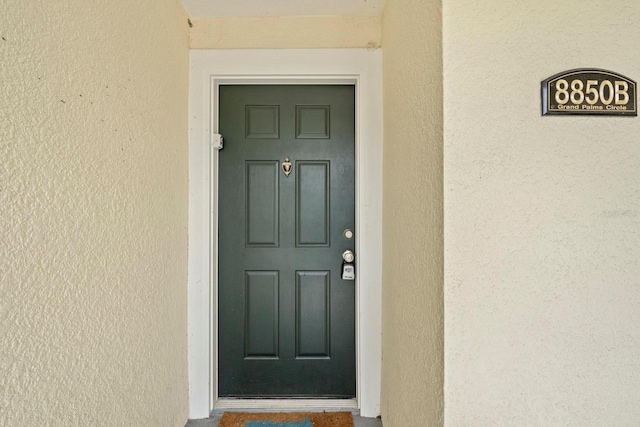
{"x": 348, "y": 256}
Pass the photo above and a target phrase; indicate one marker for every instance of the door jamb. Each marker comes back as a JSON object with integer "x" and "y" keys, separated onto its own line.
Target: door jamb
{"x": 211, "y": 68}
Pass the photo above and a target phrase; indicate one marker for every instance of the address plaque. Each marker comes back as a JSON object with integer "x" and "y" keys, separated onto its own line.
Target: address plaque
{"x": 589, "y": 92}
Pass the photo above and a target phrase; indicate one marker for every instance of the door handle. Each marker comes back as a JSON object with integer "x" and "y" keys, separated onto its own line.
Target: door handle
{"x": 348, "y": 256}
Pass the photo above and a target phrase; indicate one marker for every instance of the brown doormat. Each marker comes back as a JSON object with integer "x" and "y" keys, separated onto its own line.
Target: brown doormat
{"x": 318, "y": 419}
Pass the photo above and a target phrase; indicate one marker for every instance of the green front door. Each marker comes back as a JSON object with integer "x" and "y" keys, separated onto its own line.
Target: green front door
{"x": 286, "y": 317}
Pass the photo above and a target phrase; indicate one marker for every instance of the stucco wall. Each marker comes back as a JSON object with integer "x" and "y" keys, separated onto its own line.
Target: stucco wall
{"x": 412, "y": 309}
{"x": 93, "y": 213}
{"x": 542, "y": 220}
{"x": 302, "y": 32}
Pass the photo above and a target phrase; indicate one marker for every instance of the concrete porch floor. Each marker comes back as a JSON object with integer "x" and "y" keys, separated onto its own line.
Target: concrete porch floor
{"x": 358, "y": 421}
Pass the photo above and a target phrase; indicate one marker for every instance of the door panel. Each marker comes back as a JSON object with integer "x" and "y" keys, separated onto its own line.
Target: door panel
{"x": 312, "y": 314}
{"x": 262, "y": 205}
{"x": 313, "y": 196}
{"x": 262, "y": 121}
{"x": 261, "y": 314}
{"x": 286, "y": 318}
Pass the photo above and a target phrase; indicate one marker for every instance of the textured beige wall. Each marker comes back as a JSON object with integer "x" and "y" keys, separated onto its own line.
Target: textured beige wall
{"x": 93, "y": 213}
{"x": 542, "y": 220}
{"x": 286, "y": 32}
{"x": 413, "y": 247}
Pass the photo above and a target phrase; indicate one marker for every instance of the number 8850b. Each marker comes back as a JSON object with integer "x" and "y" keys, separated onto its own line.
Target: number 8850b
{"x": 604, "y": 91}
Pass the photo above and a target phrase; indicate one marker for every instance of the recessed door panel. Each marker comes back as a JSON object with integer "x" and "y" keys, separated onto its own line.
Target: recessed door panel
{"x": 262, "y": 121}
{"x": 312, "y": 203}
{"x": 262, "y": 216}
{"x": 312, "y": 314}
{"x": 313, "y": 121}
{"x": 261, "y": 314}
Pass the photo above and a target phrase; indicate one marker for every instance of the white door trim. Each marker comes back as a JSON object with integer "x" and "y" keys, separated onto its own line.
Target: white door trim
{"x": 210, "y": 68}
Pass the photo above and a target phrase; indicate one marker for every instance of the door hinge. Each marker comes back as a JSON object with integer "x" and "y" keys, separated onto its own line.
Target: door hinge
{"x": 216, "y": 141}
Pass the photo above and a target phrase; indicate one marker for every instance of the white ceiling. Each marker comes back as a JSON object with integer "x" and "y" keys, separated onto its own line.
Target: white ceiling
{"x": 257, "y": 8}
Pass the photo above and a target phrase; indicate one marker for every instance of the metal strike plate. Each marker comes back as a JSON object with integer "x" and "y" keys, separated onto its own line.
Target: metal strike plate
{"x": 216, "y": 141}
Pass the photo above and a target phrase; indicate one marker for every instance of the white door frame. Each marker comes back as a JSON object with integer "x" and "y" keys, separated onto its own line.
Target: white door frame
{"x": 209, "y": 69}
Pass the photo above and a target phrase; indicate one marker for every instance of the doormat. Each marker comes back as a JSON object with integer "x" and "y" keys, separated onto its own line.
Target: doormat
{"x": 305, "y": 423}
{"x": 292, "y": 419}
